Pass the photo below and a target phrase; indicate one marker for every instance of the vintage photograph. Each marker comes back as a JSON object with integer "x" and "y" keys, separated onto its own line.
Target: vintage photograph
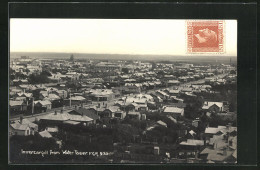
{"x": 122, "y": 91}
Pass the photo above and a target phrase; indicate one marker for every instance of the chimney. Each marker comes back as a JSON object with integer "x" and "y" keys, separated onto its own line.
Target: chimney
{"x": 21, "y": 119}
{"x": 225, "y": 152}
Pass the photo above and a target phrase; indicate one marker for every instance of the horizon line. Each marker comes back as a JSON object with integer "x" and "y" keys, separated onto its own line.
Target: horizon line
{"x": 181, "y": 55}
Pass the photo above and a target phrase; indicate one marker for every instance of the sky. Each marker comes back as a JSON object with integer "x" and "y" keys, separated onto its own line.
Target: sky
{"x": 111, "y": 36}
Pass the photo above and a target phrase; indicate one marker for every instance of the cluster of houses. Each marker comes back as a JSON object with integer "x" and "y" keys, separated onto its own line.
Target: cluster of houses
{"x": 124, "y": 95}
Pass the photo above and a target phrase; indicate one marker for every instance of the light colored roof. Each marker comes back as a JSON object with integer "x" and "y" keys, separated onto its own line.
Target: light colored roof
{"x": 146, "y": 96}
{"x": 52, "y": 129}
{"x": 215, "y": 139}
{"x": 18, "y": 126}
{"x": 58, "y": 116}
{"x": 78, "y": 98}
{"x": 20, "y": 98}
{"x": 174, "y": 91}
{"x": 113, "y": 108}
{"x": 173, "y": 110}
{"x": 45, "y": 134}
{"x": 174, "y": 120}
{"x": 162, "y": 123}
{"x": 133, "y": 113}
{"x": 163, "y": 93}
{"x": 25, "y": 94}
{"x": 150, "y": 127}
{"x": 209, "y": 104}
{"x": 193, "y": 142}
{"x": 207, "y": 151}
{"x": 134, "y": 100}
{"x": 71, "y": 122}
{"x": 53, "y": 97}
{"x": 44, "y": 102}
{"x": 66, "y": 116}
{"x": 15, "y": 103}
{"x": 173, "y": 81}
{"x": 27, "y": 122}
{"x": 212, "y": 130}
{"x": 223, "y": 129}
{"x": 101, "y": 92}
{"x": 80, "y": 118}
{"x": 192, "y": 132}
{"x": 219, "y": 155}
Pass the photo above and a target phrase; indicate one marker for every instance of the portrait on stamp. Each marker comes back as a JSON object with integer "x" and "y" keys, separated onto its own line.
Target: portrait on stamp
{"x": 205, "y": 36}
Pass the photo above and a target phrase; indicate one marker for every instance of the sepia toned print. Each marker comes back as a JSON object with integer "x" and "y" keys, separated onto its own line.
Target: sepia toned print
{"x": 122, "y": 91}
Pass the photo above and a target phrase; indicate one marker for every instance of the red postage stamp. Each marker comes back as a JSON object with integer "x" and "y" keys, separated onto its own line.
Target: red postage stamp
{"x": 205, "y": 36}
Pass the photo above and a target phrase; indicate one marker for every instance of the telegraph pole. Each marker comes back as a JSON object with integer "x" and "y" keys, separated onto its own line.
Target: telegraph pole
{"x": 32, "y": 105}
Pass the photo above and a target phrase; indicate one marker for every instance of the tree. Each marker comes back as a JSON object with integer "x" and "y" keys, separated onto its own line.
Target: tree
{"x": 125, "y": 70}
{"x": 232, "y": 72}
{"x": 38, "y": 79}
{"x": 72, "y": 57}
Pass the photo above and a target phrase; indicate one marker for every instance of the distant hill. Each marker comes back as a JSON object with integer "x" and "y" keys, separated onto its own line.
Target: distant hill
{"x": 190, "y": 58}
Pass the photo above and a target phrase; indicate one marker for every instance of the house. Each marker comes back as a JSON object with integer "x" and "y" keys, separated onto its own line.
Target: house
{"x": 77, "y": 100}
{"x": 120, "y": 114}
{"x": 55, "y": 118}
{"x": 51, "y": 97}
{"x": 100, "y": 94}
{"x": 62, "y": 93}
{"x": 17, "y": 106}
{"x": 178, "y": 104}
{"x": 174, "y": 92}
{"x": 173, "y": 111}
{"x": 186, "y": 89}
{"x": 86, "y": 112}
{"x": 28, "y": 95}
{"x": 191, "y": 143}
{"x": 42, "y": 106}
{"x": 218, "y": 155}
{"x": 173, "y": 83}
{"x": 131, "y": 88}
{"x": 137, "y": 107}
{"x": 190, "y": 148}
{"x": 214, "y": 107}
{"x": 85, "y": 120}
{"x": 20, "y": 129}
{"x": 110, "y": 111}
{"x": 134, "y": 115}
{"x": 23, "y": 127}
{"x": 162, "y": 94}
{"x": 220, "y": 130}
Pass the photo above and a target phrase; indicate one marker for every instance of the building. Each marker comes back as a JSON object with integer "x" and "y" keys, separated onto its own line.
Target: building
{"x": 86, "y": 112}
{"x": 214, "y": 107}
{"x": 42, "y": 106}
{"x": 23, "y": 127}
{"x": 15, "y": 106}
{"x": 173, "y": 111}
